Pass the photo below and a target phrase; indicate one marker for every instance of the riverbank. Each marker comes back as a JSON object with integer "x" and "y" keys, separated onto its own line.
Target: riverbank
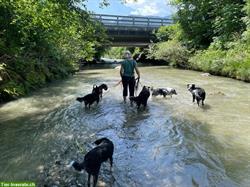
{"x": 233, "y": 63}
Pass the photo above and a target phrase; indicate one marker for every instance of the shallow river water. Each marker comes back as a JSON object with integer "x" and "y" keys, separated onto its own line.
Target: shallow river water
{"x": 173, "y": 142}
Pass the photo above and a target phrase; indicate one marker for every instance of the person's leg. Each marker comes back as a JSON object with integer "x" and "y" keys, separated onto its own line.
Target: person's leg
{"x": 131, "y": 86}
{"x": 125, "y": 87}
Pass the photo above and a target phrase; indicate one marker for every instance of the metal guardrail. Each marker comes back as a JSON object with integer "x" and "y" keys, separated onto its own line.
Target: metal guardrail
{"x": 131, "y": 21}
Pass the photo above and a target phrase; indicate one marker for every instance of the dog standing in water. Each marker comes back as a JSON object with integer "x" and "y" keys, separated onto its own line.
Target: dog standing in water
{"x": 142, "y": 98}
{"x": 198, "y": 93}
{"x": 163, "y": 91}
{"x": 94, "y": 158}
{"x": 100, "y": 89}
{"x": 89, "y": 99}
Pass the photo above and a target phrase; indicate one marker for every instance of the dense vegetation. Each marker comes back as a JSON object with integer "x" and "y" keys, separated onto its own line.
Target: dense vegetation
{"x": 42, "y": 40}
{"x": 209, "y": 35}
{"x": 115, "y": 52}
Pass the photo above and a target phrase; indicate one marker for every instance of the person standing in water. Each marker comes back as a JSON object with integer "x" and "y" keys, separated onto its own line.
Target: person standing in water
{"x": 128, "y": 67}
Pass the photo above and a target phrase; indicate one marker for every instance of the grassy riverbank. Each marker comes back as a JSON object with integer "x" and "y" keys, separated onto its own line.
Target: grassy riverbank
{"x": 211, "y": 37}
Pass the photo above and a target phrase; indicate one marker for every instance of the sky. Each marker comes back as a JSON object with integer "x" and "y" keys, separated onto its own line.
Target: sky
{"x": 161, "y": 8}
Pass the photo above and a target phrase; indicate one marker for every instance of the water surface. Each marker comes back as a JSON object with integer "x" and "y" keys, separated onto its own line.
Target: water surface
{"x": 171, "y": 143}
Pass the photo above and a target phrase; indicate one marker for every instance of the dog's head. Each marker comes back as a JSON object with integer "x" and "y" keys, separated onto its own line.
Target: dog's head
{"x": 146, "y": 88}
{"x": 95, "y": 89}
{"x": 173, "y": 91}
{"x": 77, "y": 166}
{"x": 190, "y": 87}
{"x": 103, "y": 86}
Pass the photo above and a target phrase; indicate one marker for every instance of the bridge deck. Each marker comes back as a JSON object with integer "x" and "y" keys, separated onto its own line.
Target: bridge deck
{"x": 131, "y": 21}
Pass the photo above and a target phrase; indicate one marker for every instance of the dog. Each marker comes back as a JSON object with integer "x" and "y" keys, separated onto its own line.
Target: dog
{"x": 198, "y": 93}
{"x": 163, "y": 91}
{"x": 142, "y": 98}
{"x": 100, "y": 89}
{"x": 90, "y": 98}
{"x": 94, "y": 158}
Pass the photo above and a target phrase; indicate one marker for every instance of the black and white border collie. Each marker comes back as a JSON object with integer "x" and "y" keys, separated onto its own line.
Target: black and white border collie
{"x": 94, "y": 158}
{"x": 89, "y": 99}
{"x": 198, "y": 93}
{"x": 163, "y": 91}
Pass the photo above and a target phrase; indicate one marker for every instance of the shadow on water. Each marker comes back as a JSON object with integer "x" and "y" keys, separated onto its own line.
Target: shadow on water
{"x": 206, "y": 107}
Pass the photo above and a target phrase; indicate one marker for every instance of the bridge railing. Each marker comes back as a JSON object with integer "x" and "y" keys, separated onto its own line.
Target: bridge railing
{"x": 131, "y": 21}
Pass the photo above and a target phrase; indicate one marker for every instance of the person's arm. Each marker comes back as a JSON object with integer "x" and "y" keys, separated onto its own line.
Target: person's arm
{"x": 121, "y": 70}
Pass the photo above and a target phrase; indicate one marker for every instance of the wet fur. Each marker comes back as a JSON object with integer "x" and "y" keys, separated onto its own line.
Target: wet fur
{"x": 163, "y": 91}
{"x": 142, "y": 98}
{"x": 95, "y": 157}
{"x": 100, "y": 89}
{"x": 198, "y": 93}
{"x": 90, "y": 98}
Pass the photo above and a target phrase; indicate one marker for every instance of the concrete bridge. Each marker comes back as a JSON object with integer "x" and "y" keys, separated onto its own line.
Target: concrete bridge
{"x": 130, "y": 30}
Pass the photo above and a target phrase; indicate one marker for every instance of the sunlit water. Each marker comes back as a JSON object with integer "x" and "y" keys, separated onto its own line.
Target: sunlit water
{"x": 171, "y": 143}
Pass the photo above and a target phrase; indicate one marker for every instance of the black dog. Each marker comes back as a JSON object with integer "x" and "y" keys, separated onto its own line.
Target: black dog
{"x": 100, "y": 89}
{"x": 142, "y": 98}
{"x": 163, "y": 91}
{"x": 198, "y": 93}
{"x": 94, "y": 158}
{"x": 90, "y": 98}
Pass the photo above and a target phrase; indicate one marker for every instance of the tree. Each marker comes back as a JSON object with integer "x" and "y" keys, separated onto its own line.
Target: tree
{"x": 204, "y": 20}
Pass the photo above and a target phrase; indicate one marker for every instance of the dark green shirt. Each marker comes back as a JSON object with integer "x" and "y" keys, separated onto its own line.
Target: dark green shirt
{"x": 128, "y": 67}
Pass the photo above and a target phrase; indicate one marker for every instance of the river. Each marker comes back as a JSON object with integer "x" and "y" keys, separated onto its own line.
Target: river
{"x": 173, "y": 142}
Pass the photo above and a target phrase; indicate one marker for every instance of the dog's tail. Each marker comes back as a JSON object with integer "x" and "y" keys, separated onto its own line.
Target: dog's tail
{"x": 80, "y": 99}
{"x": 99, "y": 141}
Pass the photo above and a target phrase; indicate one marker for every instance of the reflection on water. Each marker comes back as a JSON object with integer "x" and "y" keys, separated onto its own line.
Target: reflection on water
{"x": 171, "y": 143}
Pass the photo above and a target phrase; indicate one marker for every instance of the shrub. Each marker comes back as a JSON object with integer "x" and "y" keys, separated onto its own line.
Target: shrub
{"x": 172, "y": 52}
{"x": 234, "y": 63}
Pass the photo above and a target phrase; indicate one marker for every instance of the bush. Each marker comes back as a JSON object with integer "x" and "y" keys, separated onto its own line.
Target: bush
{"x": 234, "y": 63}
{"x": 115, "y": 52}
{"x": 172, "y": 52}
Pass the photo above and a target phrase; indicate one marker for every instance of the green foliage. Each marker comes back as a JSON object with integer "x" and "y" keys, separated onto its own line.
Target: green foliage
{"x": 41, "y": 40}
{"x": 204, "y": 20}
{"x": 233, "y": 63}
{"x": 115, "y": 52}
{"x": 217, "y": 33}
{"x": 171, "y": 51}
{"x": 170, "y": 32}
